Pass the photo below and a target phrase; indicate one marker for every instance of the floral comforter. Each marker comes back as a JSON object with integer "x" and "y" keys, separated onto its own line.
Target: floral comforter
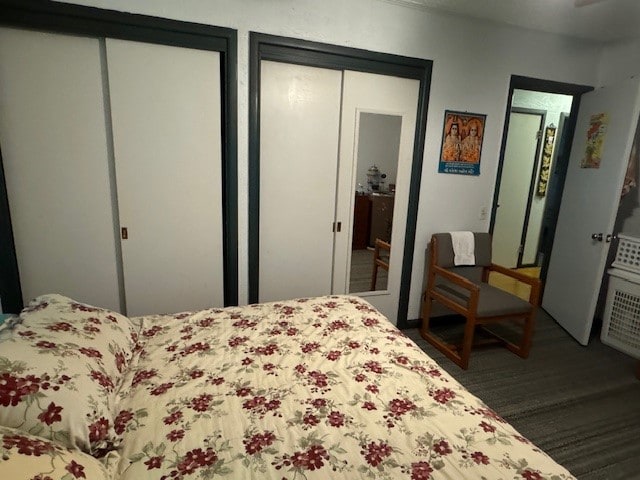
{"x": 321, "y": 388}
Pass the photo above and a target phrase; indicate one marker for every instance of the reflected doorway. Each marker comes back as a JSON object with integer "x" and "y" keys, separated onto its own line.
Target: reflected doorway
{"x": 517, "y": 186}
{"x": 525, "y": 92}
{"x": 378, "y": 149}
{"x": 531, "y": 173}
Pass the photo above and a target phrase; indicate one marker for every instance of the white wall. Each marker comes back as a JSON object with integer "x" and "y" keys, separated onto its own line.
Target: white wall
{"x": 619, "y": 61}
{"x": 379, "y": 145}
{"x": 473, "y": 62}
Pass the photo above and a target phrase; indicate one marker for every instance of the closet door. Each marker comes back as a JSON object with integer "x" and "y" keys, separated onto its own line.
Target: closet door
{"x": 165, "y": 109}
{"x": 299, "y": 128}
{"x": 392, "y": 98}
{"x": 54, "y": 153}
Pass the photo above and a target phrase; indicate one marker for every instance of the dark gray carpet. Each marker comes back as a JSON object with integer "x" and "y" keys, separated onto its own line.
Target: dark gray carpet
{"x": 579, "y": 404}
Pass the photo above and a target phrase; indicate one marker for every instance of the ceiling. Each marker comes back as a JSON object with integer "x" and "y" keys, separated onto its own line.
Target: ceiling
{"x": 597, "y": 20}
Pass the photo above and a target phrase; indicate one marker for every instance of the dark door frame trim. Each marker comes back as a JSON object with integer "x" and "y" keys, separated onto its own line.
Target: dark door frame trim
{"x": 532, "y": 182}
{"x": 95, "y": 22}
{"x": 539, "y": 85}
{"x": 290, "y": 50}
{"x": 555, "y": 186}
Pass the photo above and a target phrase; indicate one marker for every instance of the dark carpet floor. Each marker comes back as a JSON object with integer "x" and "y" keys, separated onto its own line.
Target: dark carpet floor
{"x": 579, "y": 404}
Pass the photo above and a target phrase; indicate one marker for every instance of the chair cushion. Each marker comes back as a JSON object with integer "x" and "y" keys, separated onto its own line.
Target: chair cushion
{"x": 491, "y": 302}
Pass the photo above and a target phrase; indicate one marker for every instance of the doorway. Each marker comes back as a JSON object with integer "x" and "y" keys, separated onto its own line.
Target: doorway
{"x": 510, "y": 231}
{"x": 539, "y": 126}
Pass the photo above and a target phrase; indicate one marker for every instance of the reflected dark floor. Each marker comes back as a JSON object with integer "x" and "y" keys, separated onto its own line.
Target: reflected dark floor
{"x": 361, "y": 271}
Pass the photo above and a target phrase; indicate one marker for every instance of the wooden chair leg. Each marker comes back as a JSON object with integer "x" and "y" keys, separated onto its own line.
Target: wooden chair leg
{"x": 467, "y": 342}
{"x": 450, "y": 351}
{"x": 527, "y": 336}
{"x": 432, "y": 338}
{"x": 374, "y": 277}
{"x": 426, "y": 313}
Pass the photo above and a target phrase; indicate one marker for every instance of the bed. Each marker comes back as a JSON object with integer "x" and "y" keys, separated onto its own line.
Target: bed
{"x": 322, "y": 388}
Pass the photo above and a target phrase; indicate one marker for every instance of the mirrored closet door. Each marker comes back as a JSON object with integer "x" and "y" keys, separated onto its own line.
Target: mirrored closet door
{"x": 316, "y": 164}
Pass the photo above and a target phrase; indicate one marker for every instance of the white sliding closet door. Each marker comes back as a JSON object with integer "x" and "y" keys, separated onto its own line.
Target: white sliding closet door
{"x": 383, "y": 95}
{"x": 54, "y": 150}
{"x": 166, "y": 112}
{"x": 299, "y": 127}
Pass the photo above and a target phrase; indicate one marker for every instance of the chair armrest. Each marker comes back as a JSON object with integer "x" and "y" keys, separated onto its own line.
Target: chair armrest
{"x": 382, "y": 244}
{"x": 460, "y": 281}
{"x": 536, "y": 284}
{"x": 513, "y": 274}
{"x": 455, "y": 278}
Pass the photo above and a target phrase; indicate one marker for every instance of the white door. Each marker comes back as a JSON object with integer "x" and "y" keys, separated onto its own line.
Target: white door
{"x": 374, "y": 94}
{"x": 589, "y": 205}
{"x": 517, "y": 168}
{"x": 299, "y": 128}
{"x": 54, "y": 151}
{"x": 165, "y": 106}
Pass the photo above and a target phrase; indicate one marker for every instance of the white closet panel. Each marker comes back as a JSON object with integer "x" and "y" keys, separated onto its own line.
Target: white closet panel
{"x": 166, "y": 116}
{"x": 299, "y": 127}
{"x": 387, "y": 95}
{"x": 54, "y": 149}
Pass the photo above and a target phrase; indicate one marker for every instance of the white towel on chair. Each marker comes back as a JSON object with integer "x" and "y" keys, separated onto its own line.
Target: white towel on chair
{"x": 463, "y": 248}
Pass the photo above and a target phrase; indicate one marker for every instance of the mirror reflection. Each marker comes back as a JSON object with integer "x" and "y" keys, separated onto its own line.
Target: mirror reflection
{"x": 376, "y": 170}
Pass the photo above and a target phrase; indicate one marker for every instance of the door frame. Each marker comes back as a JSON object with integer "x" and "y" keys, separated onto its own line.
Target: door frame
{"x": 532, "y": 182}
{"x": 302, "y": 52}
{"x": 554, "y": 188}
{"x": 518, "y": 82}
{"x": 95, "y": 22}
{"x": 542, "y": 114}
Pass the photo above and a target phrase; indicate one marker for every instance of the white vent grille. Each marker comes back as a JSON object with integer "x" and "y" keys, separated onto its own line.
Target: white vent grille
{"x": 621, "y": 325}
{"x": 628, "y": 254}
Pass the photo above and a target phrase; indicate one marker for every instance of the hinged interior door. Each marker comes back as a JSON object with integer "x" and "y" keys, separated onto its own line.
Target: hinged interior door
{"x": 589, "y": 206}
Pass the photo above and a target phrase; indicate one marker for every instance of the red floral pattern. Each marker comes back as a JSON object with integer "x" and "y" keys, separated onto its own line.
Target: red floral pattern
{"x": 60, "y": 369}
{"x": 305, "y": 389}
{"x": 24, "y": 456}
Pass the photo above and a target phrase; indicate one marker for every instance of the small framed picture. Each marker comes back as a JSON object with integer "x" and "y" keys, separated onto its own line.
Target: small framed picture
{"x": 595, "y": 140}
{"x": 462, "y": 136}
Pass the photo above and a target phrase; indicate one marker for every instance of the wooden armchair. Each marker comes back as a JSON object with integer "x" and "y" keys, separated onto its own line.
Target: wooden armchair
{"x": 381, "y": 256}
{"x": 465, "y": 290}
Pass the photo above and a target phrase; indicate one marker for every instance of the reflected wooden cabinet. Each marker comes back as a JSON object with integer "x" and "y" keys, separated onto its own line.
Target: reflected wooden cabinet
{"x": 361, "y": 222}
{"x": 372, "y": 218}
{"x": 381, "y": 217}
